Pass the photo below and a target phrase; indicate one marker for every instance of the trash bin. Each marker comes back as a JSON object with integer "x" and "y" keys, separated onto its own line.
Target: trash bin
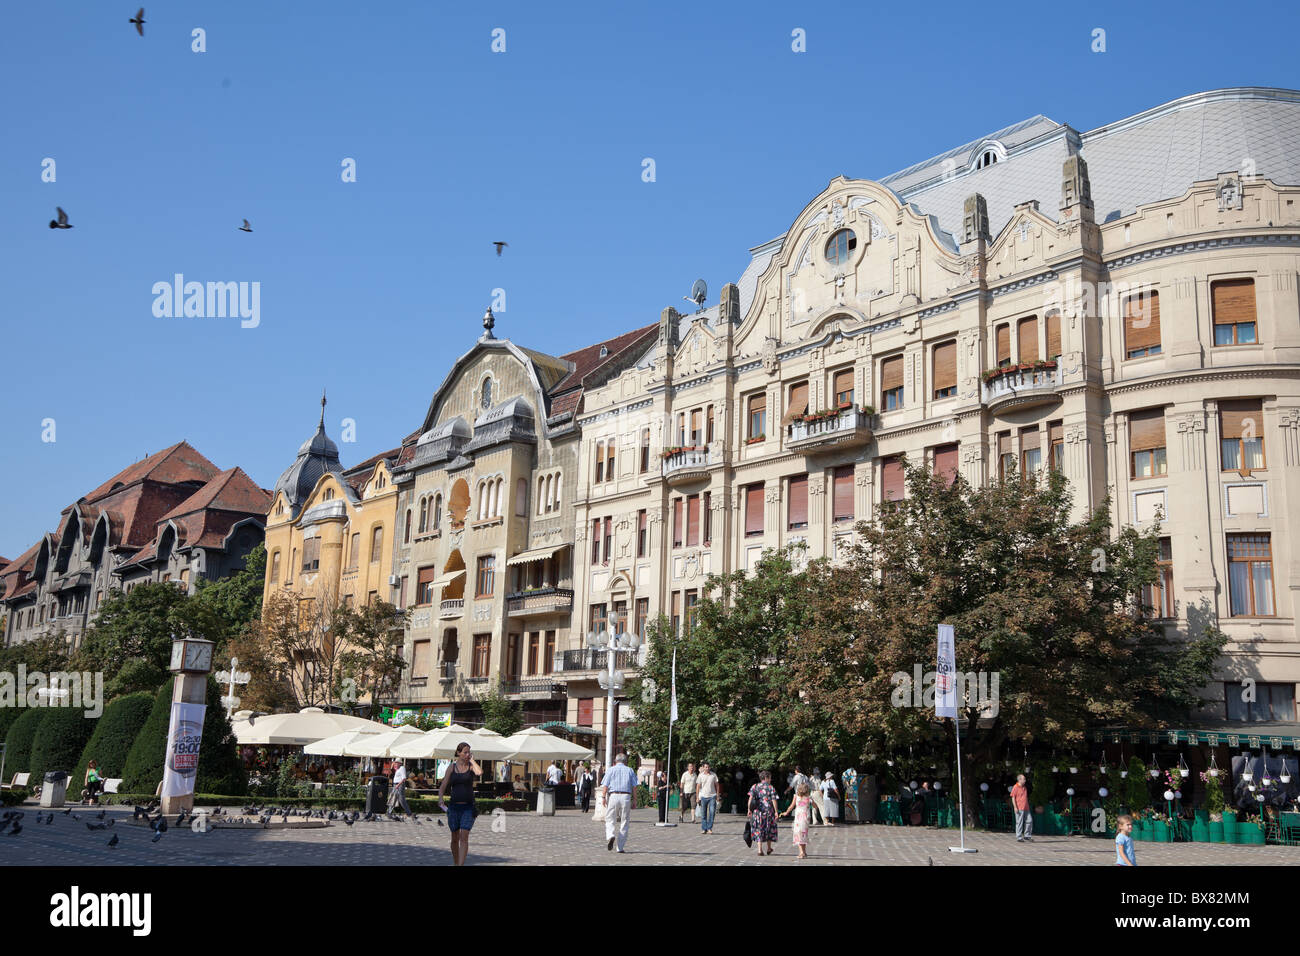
{"x": 55, "y": 789}
{"x": 377, "y": 794}
{"x": 546, "y": 802}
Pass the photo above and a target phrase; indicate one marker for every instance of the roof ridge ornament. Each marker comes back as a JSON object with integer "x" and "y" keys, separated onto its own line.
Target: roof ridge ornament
{"x": 488, "y": 323}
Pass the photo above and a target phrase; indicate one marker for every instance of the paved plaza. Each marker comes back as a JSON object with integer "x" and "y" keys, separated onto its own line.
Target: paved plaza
{"x": 574, "y": 839}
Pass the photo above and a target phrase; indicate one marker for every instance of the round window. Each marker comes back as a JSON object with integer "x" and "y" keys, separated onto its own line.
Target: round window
{"x": 840, "y": 246}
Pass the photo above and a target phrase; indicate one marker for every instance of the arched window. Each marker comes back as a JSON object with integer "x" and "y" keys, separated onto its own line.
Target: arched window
{"x": 437, "y": 512}
{"x": 498, "y": 488}
{"x": 406, "y": 535}
{"x": 329, "y": 494}
{"x": 547, "y": 492}
{"x": 487, "y": 393}
{"x": 424, "y": 515}
{"x": 840, "y": 246}
{"x": 541, "y": 494}
{"x": 521, "y": 497}
{"x": 559, "y": 477}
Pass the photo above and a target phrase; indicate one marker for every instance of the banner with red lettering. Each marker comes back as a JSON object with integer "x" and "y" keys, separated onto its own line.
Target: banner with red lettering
{"x": 183, "y": 738}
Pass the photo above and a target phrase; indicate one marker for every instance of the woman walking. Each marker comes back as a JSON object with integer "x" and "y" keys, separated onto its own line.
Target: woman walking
{"x": 762, "y": 813}
{"x": 661, "y": 795}
{"x": 93, "y": 785}
{"x": 460, "y": 777}
{"x": 801, "y": 807}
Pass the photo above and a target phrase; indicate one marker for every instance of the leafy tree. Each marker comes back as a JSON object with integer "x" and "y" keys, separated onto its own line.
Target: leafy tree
{"x": 220, "y": 769}
{"x": 737, "y": 700}
{"x": 1050, "y": 606}
{"x": 142, "y": 625}
{"x": 236, "y": 599}
{"x": 268, "y": 689}
{"x": 500, "y": 713}
{"x": 18, "y": 742}
{"x": 373, "y": 640}
{"x": 58, "y": 742}
{"x": 303, "y": 639}
{"x": 46, "y": 654}
{"x": 115, "y": 731}
{"x": 137, "y": 674}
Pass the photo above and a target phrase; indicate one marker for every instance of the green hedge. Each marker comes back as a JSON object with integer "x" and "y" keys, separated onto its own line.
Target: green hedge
{"x": 7, "y": 717}
{"x": 60, "y": 738}
{"x": 114, "y": 734}
{"x": 220, "y": 769}
{"x": 11, "y": 798}
{"x": 18, "y": 742}
{"x": 425, "y": 805}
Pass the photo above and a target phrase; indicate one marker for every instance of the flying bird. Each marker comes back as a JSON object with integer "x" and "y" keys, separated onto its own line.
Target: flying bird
{"x": 247, "y": 228}
{"x": 62, "y": 221}
{"x": 113, "y": 840}
{"x": 138, "y": 20}
{"x": 500, "y": 246}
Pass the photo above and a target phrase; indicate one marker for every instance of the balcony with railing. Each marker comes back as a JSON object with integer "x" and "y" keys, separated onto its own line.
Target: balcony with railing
{"x": 1021, "y": 386}
{"x": 681, "y": 465}
{"x": 451, "y": 608}
{"x": 531, "y": 688}
{"x": 538, "y": 601}
{"x": 586, "y": 659}
{"x": 447, "y": 671}
{"x": 842, "y": 428}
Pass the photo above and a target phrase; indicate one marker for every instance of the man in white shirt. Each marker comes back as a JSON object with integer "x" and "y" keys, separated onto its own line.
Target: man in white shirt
{"x": 687, "y": 794}
{"x": 706, "y": 791}
{"x": 553, "y": 774}
{"x": 398, "y": 796}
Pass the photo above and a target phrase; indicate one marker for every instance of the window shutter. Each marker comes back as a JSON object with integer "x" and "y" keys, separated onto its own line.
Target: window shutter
{"x": 798, "y": 403}
{"x": 1004, "y": 343}
{"x": 945, "y": 463}
{"x": 842, "y": 502}
{"x": 693, "y": 520}
{"x": 1053, "y": 336}
{"x": 1146, "y": 429}
{"x": 1027, "y": 332}
{"x": 697, "y": 436}
{"x": 1234, "y": 301}
{"x": 677, "y": 523}
{"x": 945, "y": 365}
{"x": 1029, "y": 439}
{"x": 892, "y": 483}
{"x": 843, "y": 381}
{"x": 423, "y": 594}
{"x": 754, "y": 509}
{"x": 1144, "y": 308}
{"x": 420, "y": 658}
{"x": 1234, "y": 416}
{"x": 891, "y": 373}
{"x": 1055, "y": 433}
{"x": 1004, "y": 443}
{"x": 798, "y": 500}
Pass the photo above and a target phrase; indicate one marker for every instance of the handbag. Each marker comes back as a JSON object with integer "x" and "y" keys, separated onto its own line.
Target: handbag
{"x": 749, "y": 834}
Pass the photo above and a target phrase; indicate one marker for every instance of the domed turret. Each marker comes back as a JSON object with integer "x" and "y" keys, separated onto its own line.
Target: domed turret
{"x": 316, "y": 456}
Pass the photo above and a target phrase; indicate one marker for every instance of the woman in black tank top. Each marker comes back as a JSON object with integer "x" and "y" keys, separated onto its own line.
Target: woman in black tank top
{"x": 460, "y": 777}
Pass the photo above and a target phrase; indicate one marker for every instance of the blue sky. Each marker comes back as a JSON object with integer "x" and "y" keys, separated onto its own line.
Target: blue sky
{"x": 372, "y": 288}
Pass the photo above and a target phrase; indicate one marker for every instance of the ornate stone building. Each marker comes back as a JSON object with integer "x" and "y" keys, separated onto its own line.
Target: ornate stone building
{"x": 174, "y": 516}
{"x": 1118, "y": 304}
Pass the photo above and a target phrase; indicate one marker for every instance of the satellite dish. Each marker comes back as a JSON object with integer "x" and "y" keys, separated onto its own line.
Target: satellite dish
{"x": 699, "y": 292}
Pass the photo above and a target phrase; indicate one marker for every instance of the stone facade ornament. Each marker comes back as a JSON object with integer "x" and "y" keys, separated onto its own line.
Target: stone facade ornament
{"x": 816, "y": 485}
{"x": 1228, "y": 192}
{"x": 975, "y": 219}
{"x": 770, "y": 364}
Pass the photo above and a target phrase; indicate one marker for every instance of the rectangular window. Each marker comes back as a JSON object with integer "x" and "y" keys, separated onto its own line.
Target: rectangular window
{"x": 1146, "y": 435}
{"x": 600, "y": 462}
{"x": 1006, "y": 457}
{"x": 1142, "y": 325}
{"x": 1159, "y": 597}
{"x": 645, "y": 450}
{"x": 486, "y": 578}
{"x": 844, "y": 388}
{"x": 1056, "y": 445}
{"x": 275, "y": 568}
{"x": 1053, "y": 335}
{"x": 1241, "y": 424}
{"x": 1003, "y": 336}
{"x": 797, "y": 502}
{"x": 376, "y": 544}
{"x": 945, "y": 463}
{"x": 892, "y": 480}
{"x": 1027, "y": 339}
{"x": 609, "y": 460}
{"x": 609, "y": 539}
{"x": 534, "y": 647}
{"x": 753, "y": 511}
{"x": 421, "y": 654}
{"x": 677, "y": 523}
{"x": 1234, "y": 312}
{"x": 692, "y": 521}
{"x": 677, "y": 612}
{"x": 681, "y": 428}
{"x": 599, "y": 618}
{"x": 697, "y": 427}
{"x": 641, "y": 533}
{"x": 401, "y": 592}
{"x": 692, "y": 599}
{"x": 1273, "y": 702}
{"x": 482, "y": 653}
{"x": 891, "y": 383}
{"x": 642, "y": 615}
{"x": 708, "y": 425}
{"x": 1031, "y": 450}
{"x": 595, "y": 541}
{"x": 512, "y": 656}
{"x": 311, "y": 554}
{"x": 707, "y": 506}
{"x": 797, "y": 403}
{"x": 945, "y": 370}
{"x": 842, "y": 494}
{"x": 356, "y": 552}
{"x": 1250, "y": 575}
{"x": 757, "y": 416}
{"x": 548, "y": 653}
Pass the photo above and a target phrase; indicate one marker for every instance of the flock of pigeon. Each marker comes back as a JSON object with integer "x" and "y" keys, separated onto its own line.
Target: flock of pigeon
{"x": 61, "y": 222}
{"x": 11, "y": 820}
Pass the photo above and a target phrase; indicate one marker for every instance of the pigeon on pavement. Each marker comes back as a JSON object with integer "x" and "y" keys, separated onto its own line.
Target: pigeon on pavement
{"x": 113, "y": 840}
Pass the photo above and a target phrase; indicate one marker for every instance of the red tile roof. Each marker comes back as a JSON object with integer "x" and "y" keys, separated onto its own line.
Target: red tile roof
{"x": 173, "y": 465}
{"x": 231, "y": 490}
{"x": 567, "y": 392}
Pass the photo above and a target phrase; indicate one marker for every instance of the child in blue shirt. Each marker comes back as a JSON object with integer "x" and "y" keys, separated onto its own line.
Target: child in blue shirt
{"x": 1124, "y": 854}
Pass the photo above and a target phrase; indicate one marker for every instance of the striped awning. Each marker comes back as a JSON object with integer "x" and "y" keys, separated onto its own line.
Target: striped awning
{"x": 537, "y": 554}
{"x": 1274, "y": 735}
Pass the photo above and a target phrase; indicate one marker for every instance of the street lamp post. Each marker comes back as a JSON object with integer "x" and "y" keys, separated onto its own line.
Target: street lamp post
{"x": 610, "y": 677}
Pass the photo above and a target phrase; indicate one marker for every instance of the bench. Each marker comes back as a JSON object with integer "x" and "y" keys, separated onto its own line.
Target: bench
{"x": 19, "y": 780}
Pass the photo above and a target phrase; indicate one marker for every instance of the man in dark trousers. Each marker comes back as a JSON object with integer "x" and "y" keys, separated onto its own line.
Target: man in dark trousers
{"x": 586, "y": 782}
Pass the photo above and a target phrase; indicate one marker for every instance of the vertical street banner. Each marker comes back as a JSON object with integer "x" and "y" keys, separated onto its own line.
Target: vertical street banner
{"x": 672, "y": 711}
{"x": 945, "y": 679}
{"x": 184, "y": 735}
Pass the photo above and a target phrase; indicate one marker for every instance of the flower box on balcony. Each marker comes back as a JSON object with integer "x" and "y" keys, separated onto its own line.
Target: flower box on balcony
{"x": 993, "y": 374}
{"x": 677, "y": 450}
{"x": 755, "y": 440}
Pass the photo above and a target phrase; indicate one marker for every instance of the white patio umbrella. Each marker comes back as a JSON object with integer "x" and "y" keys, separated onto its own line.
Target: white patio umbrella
{"x": 339, "y": 744}
{"x": 295, "y": 730}
{"x": 380, "y": 745}
{"x": 426, "y": 745}
{"x": 536, "y": 744}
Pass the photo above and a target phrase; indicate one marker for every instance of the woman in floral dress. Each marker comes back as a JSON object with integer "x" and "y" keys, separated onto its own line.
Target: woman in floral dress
{"x": 762, "y": 815}
{"x": 799, "y": 806}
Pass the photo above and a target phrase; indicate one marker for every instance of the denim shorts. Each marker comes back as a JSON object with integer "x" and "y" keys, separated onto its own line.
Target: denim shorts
{"x": 460, "y": 816}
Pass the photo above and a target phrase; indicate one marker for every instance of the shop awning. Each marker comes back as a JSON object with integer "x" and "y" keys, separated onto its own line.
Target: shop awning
{"x": 1271, "y": 734}
{"x": 537, "y": 554}
{"x": 570, "y": 728}
{"x": 446, "y": 579}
